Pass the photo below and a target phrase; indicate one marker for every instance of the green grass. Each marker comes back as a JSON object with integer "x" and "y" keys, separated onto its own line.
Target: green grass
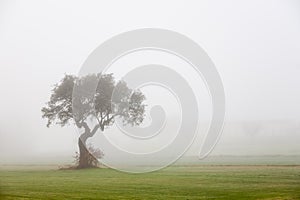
{"x": 178, "y": 182}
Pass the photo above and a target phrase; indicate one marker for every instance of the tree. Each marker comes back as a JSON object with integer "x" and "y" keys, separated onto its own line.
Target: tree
{"x": 108, "y": 101}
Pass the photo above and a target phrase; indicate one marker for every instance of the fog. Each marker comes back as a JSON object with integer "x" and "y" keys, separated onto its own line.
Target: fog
{"x": 254, "y": 45}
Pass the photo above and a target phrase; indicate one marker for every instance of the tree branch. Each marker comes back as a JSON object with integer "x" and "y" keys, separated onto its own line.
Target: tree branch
{"x": 94, "y": 130}
{"x": 88, "y": 133}
{"x": 84, "y": 125}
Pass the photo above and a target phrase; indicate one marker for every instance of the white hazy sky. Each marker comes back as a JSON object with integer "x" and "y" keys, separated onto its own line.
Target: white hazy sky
{"x": 255, "y": 46}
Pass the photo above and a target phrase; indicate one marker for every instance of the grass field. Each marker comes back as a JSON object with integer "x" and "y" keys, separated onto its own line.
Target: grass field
{"x": 177, "y": 182}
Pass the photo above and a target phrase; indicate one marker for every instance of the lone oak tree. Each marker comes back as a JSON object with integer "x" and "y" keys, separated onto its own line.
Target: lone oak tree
{"x": 108, "y": 101}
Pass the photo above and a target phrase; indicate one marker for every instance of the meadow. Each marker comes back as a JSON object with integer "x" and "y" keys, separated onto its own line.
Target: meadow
{"x": 176, "y": 182}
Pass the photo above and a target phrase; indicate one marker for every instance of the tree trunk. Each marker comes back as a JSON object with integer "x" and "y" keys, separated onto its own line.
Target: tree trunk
{"x": 86, "y": 159}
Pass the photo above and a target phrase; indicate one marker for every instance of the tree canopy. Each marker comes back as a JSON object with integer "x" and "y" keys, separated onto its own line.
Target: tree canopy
{"x": 110, "y": 100}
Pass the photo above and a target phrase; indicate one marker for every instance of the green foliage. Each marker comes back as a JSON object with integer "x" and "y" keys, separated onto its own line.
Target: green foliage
{"x": 59, "y": 107}
{"x": 109, "y": 100}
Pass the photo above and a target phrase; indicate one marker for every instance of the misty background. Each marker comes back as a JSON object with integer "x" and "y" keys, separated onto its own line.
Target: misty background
{"x": 255, "y": 46}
